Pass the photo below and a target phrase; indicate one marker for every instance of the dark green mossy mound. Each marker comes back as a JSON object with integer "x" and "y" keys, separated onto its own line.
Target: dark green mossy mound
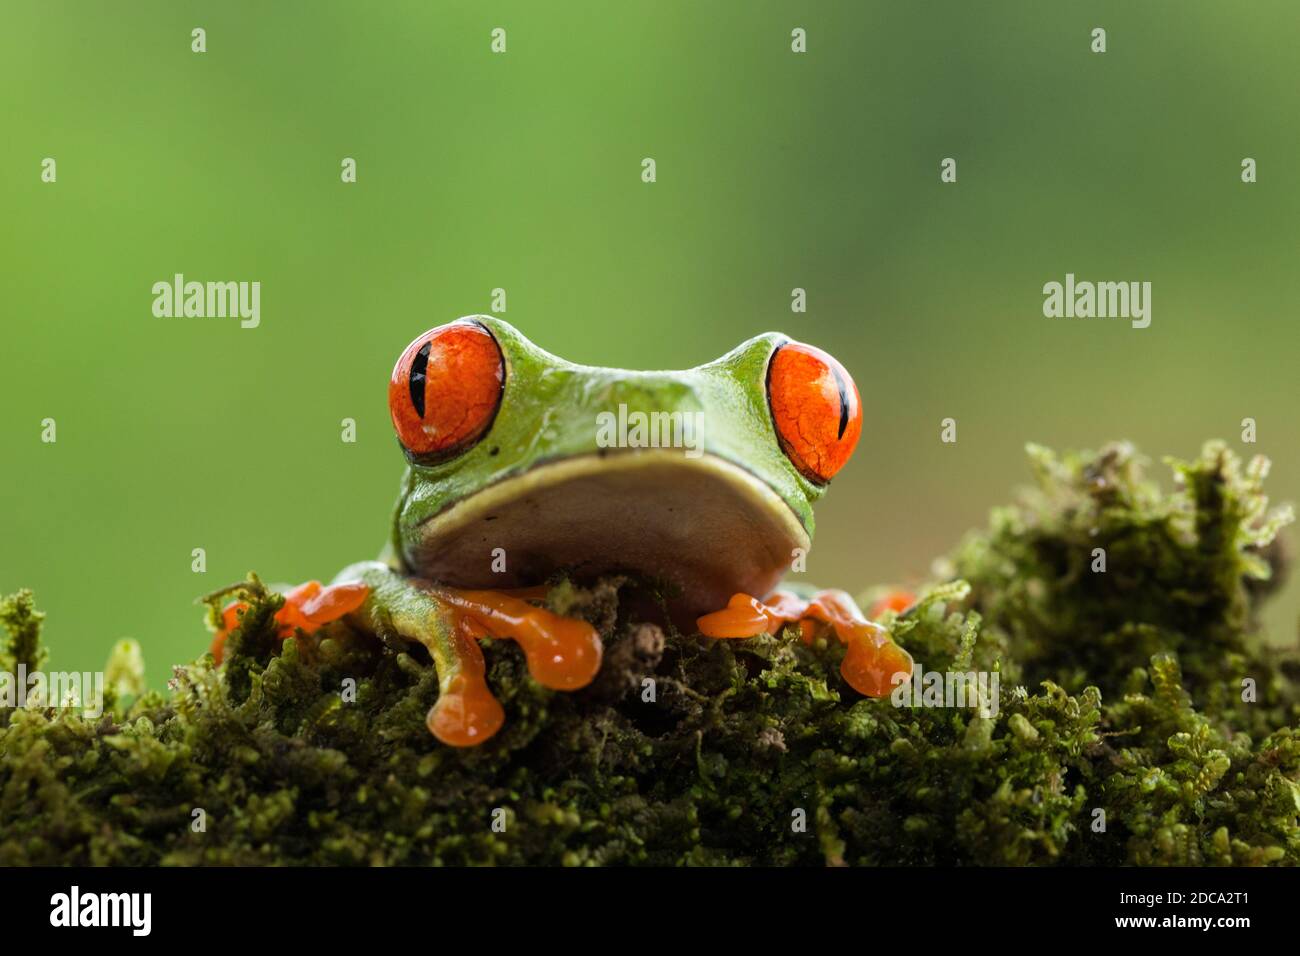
{"x": 1134, "y": 715}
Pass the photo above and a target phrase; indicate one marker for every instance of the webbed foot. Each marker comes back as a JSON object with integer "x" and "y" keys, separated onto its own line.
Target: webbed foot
{"x": 308, "y": 608}
{"x": 871, "y": 660}
{"x": 562, "y": 653}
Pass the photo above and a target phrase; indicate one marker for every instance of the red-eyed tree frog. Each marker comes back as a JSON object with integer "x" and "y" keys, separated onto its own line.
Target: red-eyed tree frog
{"x": 521, "y": 465}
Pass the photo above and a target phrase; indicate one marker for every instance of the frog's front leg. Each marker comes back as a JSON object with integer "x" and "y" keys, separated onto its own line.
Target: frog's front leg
{"x": 871, "y": 659}
{"x": 562, "y": 653}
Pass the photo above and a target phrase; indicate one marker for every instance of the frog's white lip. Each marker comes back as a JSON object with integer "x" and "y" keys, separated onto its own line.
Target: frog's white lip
{"x": 704, "y": 524}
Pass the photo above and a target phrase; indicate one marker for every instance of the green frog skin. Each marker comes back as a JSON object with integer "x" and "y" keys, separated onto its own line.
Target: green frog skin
{"x": 515, "y": 473}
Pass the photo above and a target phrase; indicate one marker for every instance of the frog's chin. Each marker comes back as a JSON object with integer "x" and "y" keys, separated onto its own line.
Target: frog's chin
{"x": 703, "y": 525}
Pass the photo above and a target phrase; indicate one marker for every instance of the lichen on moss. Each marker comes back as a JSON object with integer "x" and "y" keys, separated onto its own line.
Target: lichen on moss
{"x": 1121, "y": 702}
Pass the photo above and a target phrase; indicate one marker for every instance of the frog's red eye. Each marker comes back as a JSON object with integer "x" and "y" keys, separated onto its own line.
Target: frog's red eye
{"x": 445, "y": 389}
{"x": 816, "y": 409}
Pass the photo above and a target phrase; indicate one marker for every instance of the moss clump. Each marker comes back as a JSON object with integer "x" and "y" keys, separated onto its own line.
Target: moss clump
{"x": 1135, "y": 717}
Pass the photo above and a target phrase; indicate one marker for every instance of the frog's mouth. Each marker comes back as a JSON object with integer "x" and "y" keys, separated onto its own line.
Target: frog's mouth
{"x": 704, "y": 526}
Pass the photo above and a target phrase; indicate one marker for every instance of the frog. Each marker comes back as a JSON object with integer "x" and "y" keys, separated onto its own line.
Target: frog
{"x": 523, "y": 468}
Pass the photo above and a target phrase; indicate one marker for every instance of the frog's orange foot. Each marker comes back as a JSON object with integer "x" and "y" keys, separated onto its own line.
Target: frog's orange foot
{"x": 466, "y": 713}
{"x": 562, "y": 653}
{"x": 308, "y": 608}
{"x": 872, "y": 660}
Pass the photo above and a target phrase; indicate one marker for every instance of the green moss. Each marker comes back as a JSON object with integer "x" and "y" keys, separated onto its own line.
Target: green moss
{"x": 23, "y": 623}
{"x": 1120, "y": 697}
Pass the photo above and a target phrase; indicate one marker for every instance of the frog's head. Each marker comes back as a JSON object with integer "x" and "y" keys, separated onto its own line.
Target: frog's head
{"x": 703, "y": 478}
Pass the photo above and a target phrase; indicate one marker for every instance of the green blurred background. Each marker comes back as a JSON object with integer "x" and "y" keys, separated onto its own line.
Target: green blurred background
{"x": 522, "y": 171}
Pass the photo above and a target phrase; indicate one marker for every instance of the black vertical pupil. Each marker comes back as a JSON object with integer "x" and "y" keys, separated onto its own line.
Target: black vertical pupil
{"x": 419, "y": 369}
{"x": 844, "y": 401}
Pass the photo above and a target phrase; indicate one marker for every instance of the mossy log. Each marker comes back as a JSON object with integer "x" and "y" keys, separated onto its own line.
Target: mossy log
{"x": 1139, "y": 718}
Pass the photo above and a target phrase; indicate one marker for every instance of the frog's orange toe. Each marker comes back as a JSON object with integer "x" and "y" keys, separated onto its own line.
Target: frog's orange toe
{"x": 744, "y": 616}
{"x": 565, "y": 661}
{"x": 873, "y": 670}
{"x": 465, "y": 716}
{"x": 466, "y": 713}
{"x": 309, "y": 606}
{"x": 563, "y": 653}
{"x": 747, "y": 616}
{"x": 334, "y": 602}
